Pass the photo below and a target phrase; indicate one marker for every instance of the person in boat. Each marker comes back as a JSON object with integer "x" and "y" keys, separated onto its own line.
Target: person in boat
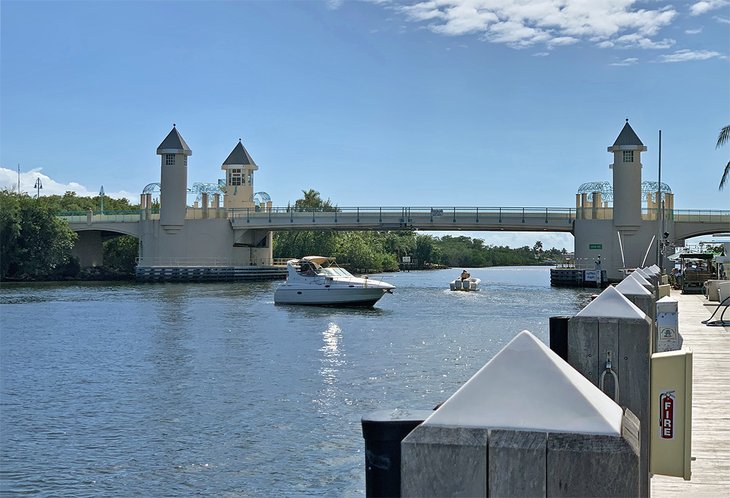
{"x": 307, "y": 268}
{"x": 465, "y": 275}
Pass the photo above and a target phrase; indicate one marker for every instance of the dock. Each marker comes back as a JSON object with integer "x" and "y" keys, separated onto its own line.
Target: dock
{"x": 710, "y": 404}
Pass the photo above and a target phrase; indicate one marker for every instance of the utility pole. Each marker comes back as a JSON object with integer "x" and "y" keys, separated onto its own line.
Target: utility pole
{"x": 18, "y": 178}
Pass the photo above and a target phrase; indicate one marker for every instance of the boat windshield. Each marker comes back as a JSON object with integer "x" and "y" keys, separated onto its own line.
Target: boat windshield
{"x": 335, "y": 271}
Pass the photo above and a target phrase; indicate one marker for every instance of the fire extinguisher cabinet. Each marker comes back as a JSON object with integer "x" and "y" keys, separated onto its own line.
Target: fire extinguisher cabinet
{"x": 671, "y": 413}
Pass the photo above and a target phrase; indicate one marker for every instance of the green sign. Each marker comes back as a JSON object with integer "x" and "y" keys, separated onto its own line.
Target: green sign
{"x": 595, "y": 246}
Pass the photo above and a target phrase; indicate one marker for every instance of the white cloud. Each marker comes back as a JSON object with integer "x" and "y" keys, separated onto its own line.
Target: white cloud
{"x": 722, "y": 20}
{"x": 685, "y": 55}
{"x": 523, "y": 23}
{"x": 9, "y": 181}
{"x": 630, "y": 61}
{"x": 700, "y": 8}
{"x": 696, "y": 31}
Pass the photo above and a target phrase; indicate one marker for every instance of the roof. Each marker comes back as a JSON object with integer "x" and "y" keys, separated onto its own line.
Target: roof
{"x": 174, "y": 144}
{"x": 239, "y": 156}
{"x": 627, "y": 137}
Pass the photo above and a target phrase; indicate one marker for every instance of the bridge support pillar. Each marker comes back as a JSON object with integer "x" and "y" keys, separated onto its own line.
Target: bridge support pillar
{"x": 89, "y": 249}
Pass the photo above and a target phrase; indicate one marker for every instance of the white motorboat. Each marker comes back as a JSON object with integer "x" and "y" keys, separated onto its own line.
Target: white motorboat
{"x": 317, "y": 280}
{"x": 465, "y": 283}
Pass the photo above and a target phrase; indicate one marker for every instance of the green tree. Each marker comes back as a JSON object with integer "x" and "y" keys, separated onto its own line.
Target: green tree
{"x": 722, "y": 139}
{"x": 35, "y": 242}
{"x": 313, "y": 201}
{"x": 120, "y": 253}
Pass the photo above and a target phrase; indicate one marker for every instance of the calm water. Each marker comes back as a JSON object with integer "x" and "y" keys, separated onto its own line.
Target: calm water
{"x": 184, "y": 389}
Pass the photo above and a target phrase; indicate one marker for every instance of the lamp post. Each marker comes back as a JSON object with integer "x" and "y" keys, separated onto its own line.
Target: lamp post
{"x": 38, "y": 186}
{"x": 101, "y": 197}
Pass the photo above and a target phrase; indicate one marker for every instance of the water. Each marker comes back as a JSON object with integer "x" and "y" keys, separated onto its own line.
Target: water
{"x": 210, "y": 389}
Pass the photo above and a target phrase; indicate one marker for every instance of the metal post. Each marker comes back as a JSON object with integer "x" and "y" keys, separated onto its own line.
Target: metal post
{"x": 38, "y": 186}
{"x": 660, "y": 214}
{"x": 101, "y": 198}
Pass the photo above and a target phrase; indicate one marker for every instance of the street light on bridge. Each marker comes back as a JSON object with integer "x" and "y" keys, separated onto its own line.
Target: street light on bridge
{"x": 101, "y": 196}
{"x": 38, "y": 186}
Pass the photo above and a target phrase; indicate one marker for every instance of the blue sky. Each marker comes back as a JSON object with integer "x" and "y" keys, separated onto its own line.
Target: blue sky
{"x": 371, "y": 103}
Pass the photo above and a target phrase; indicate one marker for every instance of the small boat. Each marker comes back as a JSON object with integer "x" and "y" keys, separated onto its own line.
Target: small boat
{"x": 317, "y": 280}
{"x": 465, "y": 283}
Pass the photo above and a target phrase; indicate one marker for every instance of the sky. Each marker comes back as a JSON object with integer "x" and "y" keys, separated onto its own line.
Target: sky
{"x": 490, "y": 103}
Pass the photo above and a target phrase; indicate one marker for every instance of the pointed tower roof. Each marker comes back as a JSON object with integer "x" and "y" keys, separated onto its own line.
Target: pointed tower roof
{"x": 239, "y": 156}
{"x": 174, "y": 144}
{"x": 627, "y": 136}
{"x": 526, "y": 386}
{"x": 627, "y": 140}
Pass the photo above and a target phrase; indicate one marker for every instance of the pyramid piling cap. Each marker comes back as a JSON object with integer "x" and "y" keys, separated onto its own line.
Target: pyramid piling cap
{"x": 528, "y": 387}
{"x": 611, "y": 304}
{"x": 632, "y": 287}
{"x": 639, "y": 278}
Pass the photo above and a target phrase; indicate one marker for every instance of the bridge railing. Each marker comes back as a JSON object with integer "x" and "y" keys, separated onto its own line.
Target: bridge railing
{"x": 428, "y": 214}
{"x": 421, "y": 214}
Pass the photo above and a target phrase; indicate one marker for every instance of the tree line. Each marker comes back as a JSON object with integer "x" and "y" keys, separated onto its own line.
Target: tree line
{"x": 35, "y": 244}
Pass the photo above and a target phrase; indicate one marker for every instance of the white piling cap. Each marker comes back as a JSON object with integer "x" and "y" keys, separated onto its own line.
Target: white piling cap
{"x": 652, "y": 270}
{"x": 642, "y": 272}
{"x": 611, "y": 304}
{"x": 632, "y": 287}
{"x": 639, "y": 278}
{"x": 528, "y": 387}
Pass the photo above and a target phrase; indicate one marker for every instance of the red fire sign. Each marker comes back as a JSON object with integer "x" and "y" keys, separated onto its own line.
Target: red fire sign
{"x": 666, "y": 415}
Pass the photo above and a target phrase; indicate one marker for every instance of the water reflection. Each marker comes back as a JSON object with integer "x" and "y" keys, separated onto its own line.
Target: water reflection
{"x": 331, "y": 362}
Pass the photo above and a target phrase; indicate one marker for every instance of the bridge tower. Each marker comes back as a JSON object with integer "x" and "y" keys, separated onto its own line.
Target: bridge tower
{"x": 626, "y": 167}
{"x": 173, "y": 152}
{"x": 239, "y": 168}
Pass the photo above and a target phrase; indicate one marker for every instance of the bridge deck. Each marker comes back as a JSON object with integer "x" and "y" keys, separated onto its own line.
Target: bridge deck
{"x": 687, "y": 223}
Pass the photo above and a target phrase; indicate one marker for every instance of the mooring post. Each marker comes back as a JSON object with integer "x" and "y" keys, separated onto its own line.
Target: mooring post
{"x": 609, "y": 343}
{"x": 526, "y": 424}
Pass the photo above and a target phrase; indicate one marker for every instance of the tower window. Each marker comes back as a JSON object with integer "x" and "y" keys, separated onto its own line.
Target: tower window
{"x": 170, "y": 159}
{"x": 628, "y": 156}
{"x": 234, "y": 177}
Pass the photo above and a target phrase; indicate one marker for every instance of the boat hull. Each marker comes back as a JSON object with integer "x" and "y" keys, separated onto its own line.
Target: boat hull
{"x": 363, "y": 297}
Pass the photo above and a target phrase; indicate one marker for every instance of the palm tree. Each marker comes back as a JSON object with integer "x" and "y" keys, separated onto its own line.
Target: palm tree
{"x": 722, "y": 139}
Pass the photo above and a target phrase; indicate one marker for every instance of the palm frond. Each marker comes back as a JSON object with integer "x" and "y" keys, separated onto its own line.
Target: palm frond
{"x": 725, "y": 176}
{"x": 723, "y": 137}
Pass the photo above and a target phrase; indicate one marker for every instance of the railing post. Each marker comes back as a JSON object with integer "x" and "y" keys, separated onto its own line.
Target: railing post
{"x": 380, "y": 215}
{"x": 291, "y": 216}
{"x": 248, "y": 215}
{"x": 546, "y": 215}
{"x": 500, "y": 215}
{"x": 358, "y": 214}
{"x": 313, "y": 210}
{"x": 477, "y": 215}
{"x": 523, "y": 215}
{"x": 454, "y": 214}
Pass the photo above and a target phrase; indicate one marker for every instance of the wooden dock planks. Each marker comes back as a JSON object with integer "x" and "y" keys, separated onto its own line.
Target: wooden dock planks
{"x": 710, "y": 404}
